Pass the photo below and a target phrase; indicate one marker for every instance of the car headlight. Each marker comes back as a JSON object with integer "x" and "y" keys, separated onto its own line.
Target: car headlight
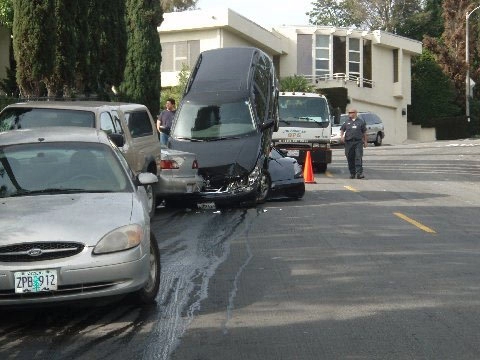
{"x": 123, "y": 238}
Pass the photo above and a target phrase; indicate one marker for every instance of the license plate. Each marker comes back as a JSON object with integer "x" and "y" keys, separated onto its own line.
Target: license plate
{"x": 207, "y": 206}
{"x": 35, "y": 281}
{"x": 293, "y": 152}
{"x": 190, "y": 188}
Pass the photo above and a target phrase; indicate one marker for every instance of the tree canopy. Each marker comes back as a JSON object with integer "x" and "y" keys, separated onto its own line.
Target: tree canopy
{"x": 6, "y": 13}
{"x": 386, "y": 15}
{"x": 296, "y": 83}
{"x": 177, "y": 5}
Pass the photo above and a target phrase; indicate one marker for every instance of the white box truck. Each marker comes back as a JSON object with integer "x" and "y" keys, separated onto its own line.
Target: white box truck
{"x": 305, "y": 125}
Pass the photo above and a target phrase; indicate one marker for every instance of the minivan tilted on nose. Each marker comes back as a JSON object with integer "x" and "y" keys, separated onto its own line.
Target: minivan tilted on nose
{"x": 227, "y": 115}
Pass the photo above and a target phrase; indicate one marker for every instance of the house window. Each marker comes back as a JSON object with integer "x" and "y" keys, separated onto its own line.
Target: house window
{"x": 322, "y": 55}
{"x": 367, "y": 63}
{"x": 339, "y": 55}
{"x": 395, "y": 65}
{"x": 176, "y": 54}
{"x": 354, "y": 58}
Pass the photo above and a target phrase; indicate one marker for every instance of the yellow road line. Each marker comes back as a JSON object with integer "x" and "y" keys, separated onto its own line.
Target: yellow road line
{"x": 351, "y": 188}
{"x": 416, "y": 223}
{"x": 328, "y": 174}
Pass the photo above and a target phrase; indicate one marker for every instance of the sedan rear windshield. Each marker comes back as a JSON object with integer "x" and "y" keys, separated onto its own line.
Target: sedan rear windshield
{"x": 25, "y": 118}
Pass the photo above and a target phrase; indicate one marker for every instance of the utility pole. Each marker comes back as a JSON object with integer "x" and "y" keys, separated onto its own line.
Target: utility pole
{"x": 467, "y": 61}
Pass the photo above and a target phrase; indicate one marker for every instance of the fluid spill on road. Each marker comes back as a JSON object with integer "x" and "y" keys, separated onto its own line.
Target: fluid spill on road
{"x": 189, "y": 261}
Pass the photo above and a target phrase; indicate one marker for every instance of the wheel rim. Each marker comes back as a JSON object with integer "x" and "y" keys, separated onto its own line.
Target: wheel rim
{"x": 379, "y": 139}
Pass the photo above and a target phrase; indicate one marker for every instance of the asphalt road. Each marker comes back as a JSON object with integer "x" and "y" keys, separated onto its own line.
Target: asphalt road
{"x": 381, "y": 268}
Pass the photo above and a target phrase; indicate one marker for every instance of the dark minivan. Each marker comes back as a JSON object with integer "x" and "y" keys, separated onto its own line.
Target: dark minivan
{"x": 227, "y": 115}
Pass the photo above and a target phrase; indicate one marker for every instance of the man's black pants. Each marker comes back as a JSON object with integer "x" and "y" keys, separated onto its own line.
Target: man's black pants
{"x": 354, "y": 154}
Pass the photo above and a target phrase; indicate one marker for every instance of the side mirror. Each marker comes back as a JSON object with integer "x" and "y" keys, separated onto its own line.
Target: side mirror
{"x": 267, "y": 124}
{"x": 117, "y": 139}
{"x": 146, "y": 178}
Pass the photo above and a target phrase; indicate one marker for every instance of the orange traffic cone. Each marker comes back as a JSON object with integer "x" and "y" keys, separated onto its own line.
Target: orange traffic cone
{"x": 308, "y": 170}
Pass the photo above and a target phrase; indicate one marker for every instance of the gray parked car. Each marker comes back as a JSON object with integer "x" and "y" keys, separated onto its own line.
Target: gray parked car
{"x": 75, "y": 219}
{"x": 375, "y": 128}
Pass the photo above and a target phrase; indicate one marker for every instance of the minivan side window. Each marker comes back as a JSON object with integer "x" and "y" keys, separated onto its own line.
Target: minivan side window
{"x": 138, "y": 123}
{"x": 106, "y": 123}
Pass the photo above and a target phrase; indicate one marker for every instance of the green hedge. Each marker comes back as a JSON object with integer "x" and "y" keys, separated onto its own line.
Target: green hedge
{"x": 4, "y": 101}
{"x": 454, "y": 127}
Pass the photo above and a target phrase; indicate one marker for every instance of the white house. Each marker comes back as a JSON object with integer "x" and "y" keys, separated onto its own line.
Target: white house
{"x": 369, "y": 70}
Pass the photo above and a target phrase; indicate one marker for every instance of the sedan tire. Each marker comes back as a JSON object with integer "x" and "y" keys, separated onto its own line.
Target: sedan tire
{"x": 148, "y": 293}
{"x": 378, "y": 140}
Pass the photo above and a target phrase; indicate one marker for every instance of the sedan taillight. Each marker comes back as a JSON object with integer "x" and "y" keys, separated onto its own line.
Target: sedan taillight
{"x": 169, "y": 164}
{"x": 195, "y": 164}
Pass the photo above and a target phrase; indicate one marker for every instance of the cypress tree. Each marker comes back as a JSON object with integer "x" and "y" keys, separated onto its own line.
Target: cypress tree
{"x": 63, "y": 78}
{"x": 94, "y": 26}
{"x": 142, "y": 70}
{"x": 82, "y": 78}
{"x": 114, "y": 44}
{"x": 34, "y": 39}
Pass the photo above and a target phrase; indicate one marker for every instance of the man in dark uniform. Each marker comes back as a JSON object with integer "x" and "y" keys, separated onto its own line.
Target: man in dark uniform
{"x": 353, "y": 133}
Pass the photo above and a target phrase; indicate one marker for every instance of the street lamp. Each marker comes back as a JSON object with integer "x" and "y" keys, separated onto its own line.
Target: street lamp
{"x": 467, "y": 60}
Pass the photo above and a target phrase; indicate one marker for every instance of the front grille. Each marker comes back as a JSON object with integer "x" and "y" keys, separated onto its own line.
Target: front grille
{"x": 40, "y": 251}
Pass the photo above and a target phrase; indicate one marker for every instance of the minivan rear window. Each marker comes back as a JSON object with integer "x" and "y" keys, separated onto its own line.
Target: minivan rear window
{"x": 25, "y": 118}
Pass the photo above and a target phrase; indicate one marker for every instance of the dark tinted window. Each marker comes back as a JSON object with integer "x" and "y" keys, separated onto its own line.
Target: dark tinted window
{"x": 24, "y": 118}
{"x": 139, "y": 123}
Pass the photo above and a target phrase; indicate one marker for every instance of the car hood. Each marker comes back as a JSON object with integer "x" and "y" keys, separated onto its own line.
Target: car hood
{"x": 230, "y": 157}
{"x": 84, "y": 218}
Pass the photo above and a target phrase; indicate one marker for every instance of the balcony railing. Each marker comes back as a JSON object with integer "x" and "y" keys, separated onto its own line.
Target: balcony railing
{"x": 346, "y": 79}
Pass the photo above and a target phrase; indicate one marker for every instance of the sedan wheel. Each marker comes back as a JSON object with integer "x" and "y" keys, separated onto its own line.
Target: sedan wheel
{"x": 148, "y": 293}
{"x": 378, "y": 140}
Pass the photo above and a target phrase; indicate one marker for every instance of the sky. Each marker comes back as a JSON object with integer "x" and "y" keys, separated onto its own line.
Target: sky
{"x": 267, "y": 13}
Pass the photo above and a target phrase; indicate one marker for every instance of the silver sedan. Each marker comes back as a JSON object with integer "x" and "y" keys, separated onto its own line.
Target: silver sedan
{"x": 74, "y": 219}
